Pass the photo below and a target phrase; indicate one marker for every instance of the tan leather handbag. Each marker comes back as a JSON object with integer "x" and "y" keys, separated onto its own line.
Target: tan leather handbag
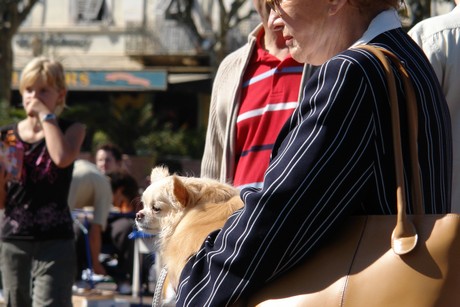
{"x": 373, "y": 263}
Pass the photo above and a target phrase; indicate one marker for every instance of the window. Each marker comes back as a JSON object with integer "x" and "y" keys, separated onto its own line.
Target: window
{"x": 92, "y": 11}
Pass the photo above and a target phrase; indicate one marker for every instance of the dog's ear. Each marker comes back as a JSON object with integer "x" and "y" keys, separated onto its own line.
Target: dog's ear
{"x": 180, "y": 191}
{"x": 159, "y": 172}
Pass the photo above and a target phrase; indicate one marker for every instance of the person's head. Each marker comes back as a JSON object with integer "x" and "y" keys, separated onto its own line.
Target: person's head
{"x": 262, "y": 9}
{"x": 125, "y": 190}
{"x": 273, "y": 38}
{"x": 108, "y": 158}
{"x": 316, "y": 30}
{"x": 44, "y": 79}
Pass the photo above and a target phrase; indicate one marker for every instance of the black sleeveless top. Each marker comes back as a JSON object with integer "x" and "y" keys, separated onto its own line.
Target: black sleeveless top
{"x": 36, "y": 206}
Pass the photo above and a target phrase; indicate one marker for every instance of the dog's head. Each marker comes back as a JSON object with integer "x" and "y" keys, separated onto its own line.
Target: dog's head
{"x": 168, "y": 196}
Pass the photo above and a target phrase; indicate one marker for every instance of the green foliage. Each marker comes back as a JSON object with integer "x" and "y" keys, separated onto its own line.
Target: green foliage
{"x": 119, "y": 120}
{"x": 128, "y": 117}
{"x": 133, "y": 127}
{"x": 99, "y": 138}
{"x": 10, "y": 114}
{"x": 167, "y": 142}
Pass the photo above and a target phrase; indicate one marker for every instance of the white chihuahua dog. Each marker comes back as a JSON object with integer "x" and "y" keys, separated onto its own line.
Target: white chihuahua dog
{"x": 182, "y": 211}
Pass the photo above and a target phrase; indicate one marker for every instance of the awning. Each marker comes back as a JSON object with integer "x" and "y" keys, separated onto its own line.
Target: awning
{"x": 190, "y": 77}
{"x": 123, "y": 80}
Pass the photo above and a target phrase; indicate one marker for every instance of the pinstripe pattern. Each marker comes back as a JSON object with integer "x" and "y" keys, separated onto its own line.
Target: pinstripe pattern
{"x": 333, "y": 158}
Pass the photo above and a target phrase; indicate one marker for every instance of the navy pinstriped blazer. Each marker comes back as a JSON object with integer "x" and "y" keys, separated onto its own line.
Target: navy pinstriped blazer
{"x": 333, "y": 158}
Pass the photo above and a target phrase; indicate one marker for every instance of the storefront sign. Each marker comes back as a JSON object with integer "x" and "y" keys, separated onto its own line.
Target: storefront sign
{"x": 111, "y": 80}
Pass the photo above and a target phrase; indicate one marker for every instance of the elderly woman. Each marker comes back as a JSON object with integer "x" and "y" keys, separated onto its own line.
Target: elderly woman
{"x": 333, "y": 158}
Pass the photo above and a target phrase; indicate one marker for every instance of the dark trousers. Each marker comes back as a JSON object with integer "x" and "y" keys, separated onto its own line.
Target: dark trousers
{"x": 116, "y": 242}
{"x": 38, "y": 273}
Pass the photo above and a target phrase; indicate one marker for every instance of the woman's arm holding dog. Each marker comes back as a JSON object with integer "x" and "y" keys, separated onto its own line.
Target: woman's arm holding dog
{"x": 282, "y": 223}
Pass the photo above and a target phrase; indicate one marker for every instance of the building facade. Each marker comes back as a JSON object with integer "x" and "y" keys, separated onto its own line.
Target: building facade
{"x": 145, "y": 48}
{"x": 132, "y": 53}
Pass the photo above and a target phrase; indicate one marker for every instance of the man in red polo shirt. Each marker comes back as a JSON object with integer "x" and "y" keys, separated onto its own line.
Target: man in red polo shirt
{"x": 255, "y": 91}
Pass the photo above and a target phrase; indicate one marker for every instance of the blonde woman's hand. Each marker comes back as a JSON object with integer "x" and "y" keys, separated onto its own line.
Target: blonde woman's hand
{"x": 35, "y": 107}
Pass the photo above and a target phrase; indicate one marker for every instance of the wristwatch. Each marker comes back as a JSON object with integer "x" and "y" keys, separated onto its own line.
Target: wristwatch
{"x": 49, "y": 116}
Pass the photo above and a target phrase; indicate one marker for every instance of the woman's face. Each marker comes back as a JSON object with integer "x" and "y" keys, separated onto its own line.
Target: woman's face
{"x": 306, "y": 28}
{"x": 41, "y": 92}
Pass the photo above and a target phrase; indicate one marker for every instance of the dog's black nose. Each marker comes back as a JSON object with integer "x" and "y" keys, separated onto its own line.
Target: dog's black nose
{"x": 139, "y": 216}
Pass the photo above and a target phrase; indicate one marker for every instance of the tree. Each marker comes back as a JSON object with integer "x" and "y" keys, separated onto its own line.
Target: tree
{"x": 418, "y": 10}
{"x": 12, "y": 14}
{"x": 230, "y": 15}
{"x": 121, "y": 119}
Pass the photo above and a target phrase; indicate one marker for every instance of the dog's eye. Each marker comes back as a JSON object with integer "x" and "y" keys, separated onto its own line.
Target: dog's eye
{"x": 156, "y": 209}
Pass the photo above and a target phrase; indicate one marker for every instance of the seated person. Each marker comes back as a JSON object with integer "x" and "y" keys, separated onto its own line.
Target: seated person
{"x": 120, "y": 224}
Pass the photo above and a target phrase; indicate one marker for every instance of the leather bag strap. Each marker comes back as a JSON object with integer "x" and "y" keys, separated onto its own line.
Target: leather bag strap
{"x": 404, "y": 237}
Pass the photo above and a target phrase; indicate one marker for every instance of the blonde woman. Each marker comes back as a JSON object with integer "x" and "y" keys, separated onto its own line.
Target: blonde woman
{"x": 38, "y": 252}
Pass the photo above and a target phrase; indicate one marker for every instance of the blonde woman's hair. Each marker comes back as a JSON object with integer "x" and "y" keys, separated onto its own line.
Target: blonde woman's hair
{"x": 50, "y": 72}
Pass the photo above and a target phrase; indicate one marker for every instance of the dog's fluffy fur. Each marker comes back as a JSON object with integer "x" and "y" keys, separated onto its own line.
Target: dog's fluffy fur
{"x": 183, "y": 211}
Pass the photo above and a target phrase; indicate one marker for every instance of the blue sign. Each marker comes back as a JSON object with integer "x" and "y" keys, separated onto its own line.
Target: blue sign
{"x": 113, "y": 80}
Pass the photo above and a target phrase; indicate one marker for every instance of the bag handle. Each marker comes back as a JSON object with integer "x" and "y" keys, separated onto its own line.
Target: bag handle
{"x": 404, "y": 237}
